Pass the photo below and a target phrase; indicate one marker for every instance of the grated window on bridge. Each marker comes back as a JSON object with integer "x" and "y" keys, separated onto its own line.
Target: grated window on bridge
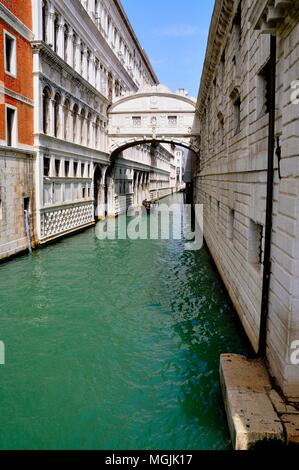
{"x": 263, "y": 90}
{"x": 136, "y": 121}
{"x": 255, "y": 244}
{"x": 172, "y": 121}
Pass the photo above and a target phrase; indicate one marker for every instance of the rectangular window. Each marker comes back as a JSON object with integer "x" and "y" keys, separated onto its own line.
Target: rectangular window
{"x": 10, "y": 54}
{"x": 75, "y": 168}
{"x": 82, "y": 169}
{"x": 66, "y": 168}
{"x": 83, "y": 193}
{"x": 57, "y": 167}
{"x": 136, "y": 121}
{"x": 46, "y": 166}
{"x": 27, "y": 204}
{"x": 11, "y": 127}
{"x": 172, "y": 121}
{"x": 255, "y": 243}
{"x": 263, "y": 90}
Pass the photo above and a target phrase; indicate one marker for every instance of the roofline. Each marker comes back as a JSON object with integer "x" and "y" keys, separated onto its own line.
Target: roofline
{"x": 142, "y": 52}
{"x": 223, "y": 14}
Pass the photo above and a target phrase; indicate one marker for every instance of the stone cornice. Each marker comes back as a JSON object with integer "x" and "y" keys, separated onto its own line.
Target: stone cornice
{"x": 267, "y": 15}
{"x": 52, "y": 145}
{"x": 16, "y": 96}
{"x": 149, "y": 94}
{"x": 138, "y": 166}
{"x": 7, "y": 16}
{"x": 224, "y": 12}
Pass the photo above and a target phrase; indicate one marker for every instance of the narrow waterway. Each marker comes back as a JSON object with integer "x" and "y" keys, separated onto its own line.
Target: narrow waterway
{"x": 114, "y": 345}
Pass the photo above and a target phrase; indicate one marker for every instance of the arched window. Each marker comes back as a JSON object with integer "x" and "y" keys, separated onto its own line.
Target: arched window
{"x": 117, "y": 88}
{"x": 57, "y": 123}
{"x": 110, "y": 86}
{"x": 56, "y": 25}
{"x": 67, "y": 108}
{"x": 75, "y": 122}
{"x": 82, "y": 135}
{"x": 46, "y": 109}
{"x": 66, "y": 38}
{"x": 44, "y": 21}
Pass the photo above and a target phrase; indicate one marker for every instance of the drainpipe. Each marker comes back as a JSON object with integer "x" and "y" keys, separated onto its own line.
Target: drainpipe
{"x": 269, "y": 204}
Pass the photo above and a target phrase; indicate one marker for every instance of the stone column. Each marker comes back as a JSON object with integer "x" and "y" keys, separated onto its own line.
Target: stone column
{"x": 78, "y": 55}
{"x": 93, "y": 134}
{"x": 84, "y": 63}
{"x": 71, "y": 169}
{"x": 60, "y": 37}
{"x": 100, "y": 209}
{"x": 111, "y": 201}
{"x": 51, "y": 117}
{"x": 98, "y": 77}
{"x": 70, "y": 125}
{"x": 70, "y": 47}
{"x": 61, "y": 121}
{"x": 91, "y": 8}
{"x": 78, "y": 129}
{"x": 91, "y": 72}
{"x": 52, "y": 172}
{"x": 51, "y": 26}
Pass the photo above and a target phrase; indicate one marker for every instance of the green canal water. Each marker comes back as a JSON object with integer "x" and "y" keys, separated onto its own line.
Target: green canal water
{"x": 114, "y": 345}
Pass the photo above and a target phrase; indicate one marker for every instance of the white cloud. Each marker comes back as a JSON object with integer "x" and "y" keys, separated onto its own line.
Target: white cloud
{"x": 180, "y": 31}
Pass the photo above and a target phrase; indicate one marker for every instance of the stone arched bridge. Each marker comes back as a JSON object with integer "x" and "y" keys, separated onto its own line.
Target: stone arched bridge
{"x": 153, "y": 114}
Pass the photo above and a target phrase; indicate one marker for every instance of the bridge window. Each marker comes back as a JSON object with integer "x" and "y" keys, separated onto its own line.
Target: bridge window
{"x": 263, "y": 90}
{"x": 172, "y": 121}
{"x": 255, "y": 254}
{"x": 136, "y": 121}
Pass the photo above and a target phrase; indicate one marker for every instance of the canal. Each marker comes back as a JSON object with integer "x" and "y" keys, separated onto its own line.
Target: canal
{"x": 114, "y": 345}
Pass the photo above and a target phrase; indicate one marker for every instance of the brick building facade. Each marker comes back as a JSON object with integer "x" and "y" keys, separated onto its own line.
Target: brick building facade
{"x": 16, "y": 126}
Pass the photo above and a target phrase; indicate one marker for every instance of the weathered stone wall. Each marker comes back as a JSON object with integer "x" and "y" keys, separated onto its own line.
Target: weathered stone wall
{"x": 16, "y": 184}
{"x": 231, "y": 180}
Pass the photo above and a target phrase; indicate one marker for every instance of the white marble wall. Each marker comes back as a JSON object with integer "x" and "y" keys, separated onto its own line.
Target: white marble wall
{"x": 231, "y": 182}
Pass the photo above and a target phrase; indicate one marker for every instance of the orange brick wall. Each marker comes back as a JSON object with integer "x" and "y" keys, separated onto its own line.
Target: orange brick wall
{"x": 23, "y": 83}
{"x": 21, "y": 9}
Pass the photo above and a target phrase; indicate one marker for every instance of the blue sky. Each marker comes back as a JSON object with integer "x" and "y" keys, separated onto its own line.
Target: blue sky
{"x": 174, "y": 35}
